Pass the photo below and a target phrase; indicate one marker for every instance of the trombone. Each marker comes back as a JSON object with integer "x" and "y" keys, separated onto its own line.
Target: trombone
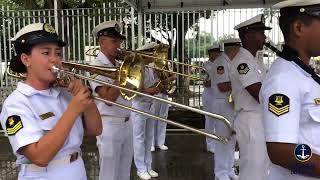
{"x": 158, "y": 57}
{"x": 92, "y": 69}
{"x": 130, "y": 74}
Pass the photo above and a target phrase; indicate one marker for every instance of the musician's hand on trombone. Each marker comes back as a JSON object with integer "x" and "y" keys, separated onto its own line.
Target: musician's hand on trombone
{"x": 168, "y": 80}
{"x": 81, "y": 96}
{"x": 151, "y": 90}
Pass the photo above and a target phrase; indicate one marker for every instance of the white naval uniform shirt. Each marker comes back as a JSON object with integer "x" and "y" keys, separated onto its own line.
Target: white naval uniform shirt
{"x": 253, "y": 72}
{"x": 208, "y": 91}
{"x": 220, "y": 74}
{"x": 39, "y": 112}
{"x": 300, "y": 122}
{"x": 104, "y": 109}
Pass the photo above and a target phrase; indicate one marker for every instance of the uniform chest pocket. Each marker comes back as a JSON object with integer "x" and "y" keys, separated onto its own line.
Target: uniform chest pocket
{"x": 314, "y": 113}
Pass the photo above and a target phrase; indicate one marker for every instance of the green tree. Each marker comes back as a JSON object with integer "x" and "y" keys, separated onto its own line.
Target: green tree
{"x": 49, "y": 4}
{"x": 196, "y": 47}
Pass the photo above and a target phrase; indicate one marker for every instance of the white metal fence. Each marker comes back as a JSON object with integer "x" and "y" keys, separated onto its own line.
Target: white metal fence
{"x": 188, "y": 33}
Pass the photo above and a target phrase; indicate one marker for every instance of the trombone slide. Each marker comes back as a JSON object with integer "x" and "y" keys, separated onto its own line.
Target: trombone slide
{"x": 219, "y": 117}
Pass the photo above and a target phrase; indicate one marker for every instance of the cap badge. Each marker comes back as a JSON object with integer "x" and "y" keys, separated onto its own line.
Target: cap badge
{"x": 302, "y": 10}
{"x": 48, "y": 28}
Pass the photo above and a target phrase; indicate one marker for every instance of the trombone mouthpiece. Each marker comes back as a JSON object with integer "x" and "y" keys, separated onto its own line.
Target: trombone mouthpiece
{"x": 55, "y": 69}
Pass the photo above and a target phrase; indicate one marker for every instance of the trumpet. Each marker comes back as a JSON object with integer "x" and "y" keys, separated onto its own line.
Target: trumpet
{"x": 123, "y": 88}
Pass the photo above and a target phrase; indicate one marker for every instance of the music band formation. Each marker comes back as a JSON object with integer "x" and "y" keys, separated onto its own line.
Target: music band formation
{"x": 273, "y": 115}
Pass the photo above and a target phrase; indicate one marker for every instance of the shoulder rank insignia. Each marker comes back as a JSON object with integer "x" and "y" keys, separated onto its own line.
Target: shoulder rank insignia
{"x": 46, "y": 115}
{"x": 243, "y": 68}
{"x": 13, "y": 125}
{"x": 278, "y": 104}
{"x": 317, "y": 101}
{"x": 220, "y": 70}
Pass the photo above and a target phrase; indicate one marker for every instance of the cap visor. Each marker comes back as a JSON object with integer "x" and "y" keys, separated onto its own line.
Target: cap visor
{"x": 47, "y": 40}
{"x": 118, "y": 36}
{"x": 267, "y": 28}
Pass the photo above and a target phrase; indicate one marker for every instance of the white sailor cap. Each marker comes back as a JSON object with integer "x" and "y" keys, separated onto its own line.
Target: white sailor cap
{"x": 256, "y": 22}
{"x": 36, "y": 33}
{"x": 214, "y": 47}
{"x": 147, "y": 46}
{"x": 108, "y": 28}
{"x": 232, "y": 42}
{"x": 298, "y": 7}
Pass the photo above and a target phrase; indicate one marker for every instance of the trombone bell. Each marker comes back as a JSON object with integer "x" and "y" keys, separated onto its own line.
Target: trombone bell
{"x": 129, "y": 75}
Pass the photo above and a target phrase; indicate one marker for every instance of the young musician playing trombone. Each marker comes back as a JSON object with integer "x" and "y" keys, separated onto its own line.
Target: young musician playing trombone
{"x": 143, "y": 126}
{"x": 115, "y": 144}
{"x": 161, "y": 109}
{"x": 45, "y": 124}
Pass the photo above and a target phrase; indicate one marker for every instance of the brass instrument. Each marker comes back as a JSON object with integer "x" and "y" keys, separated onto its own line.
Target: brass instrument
{"x": 231, "y": 101}
{"x": 123, "y": 88}
{"x": 164, "y": 71}
{"x": 159, "y": 57}
{"x": 92, "y": 51}
{"x": 129, "y": 75}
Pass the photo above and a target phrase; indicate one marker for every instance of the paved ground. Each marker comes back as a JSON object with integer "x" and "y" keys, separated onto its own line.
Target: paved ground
{"x": 186, "y": 159}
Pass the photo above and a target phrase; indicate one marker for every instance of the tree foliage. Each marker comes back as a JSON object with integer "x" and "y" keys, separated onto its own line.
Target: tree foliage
{"x": 49, "y": 4}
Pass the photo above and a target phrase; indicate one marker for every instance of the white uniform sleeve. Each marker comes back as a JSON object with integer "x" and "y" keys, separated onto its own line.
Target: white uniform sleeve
{"x": 246, "y": 72}
{"x": 221, "y": 73}
{"x": 20, "y": 124}
{"x": 149, "y": 79}
{"x": 281, "y": 110}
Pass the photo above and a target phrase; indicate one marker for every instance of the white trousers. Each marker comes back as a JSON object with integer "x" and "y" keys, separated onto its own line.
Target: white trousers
{"x": 254, "y": 160}
{"x": 72, "y": 171}
{"x": 224, "y": 153}
{"x": 116, "y": 149}
{"x": 143, "y": 130}
{"x": 160, "y": 127}
{"x": 210, "y": 123}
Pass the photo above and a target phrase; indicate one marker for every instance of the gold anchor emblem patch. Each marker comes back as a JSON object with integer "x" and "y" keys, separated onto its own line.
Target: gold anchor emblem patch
{"x": 243, "y": 68}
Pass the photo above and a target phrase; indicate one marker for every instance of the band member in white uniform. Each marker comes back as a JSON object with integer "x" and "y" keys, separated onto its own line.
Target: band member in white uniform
{"x": 115, "y": 144}
{"x": 45, "y": 124}
{"x": 221, "y": 85}
{"x": 143, "y": 126}
{"x": 207, "y": 95}
{"x": 290, "y": 96}
{"x": 246, "y": 75}
{"x": 161, "y": 109}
